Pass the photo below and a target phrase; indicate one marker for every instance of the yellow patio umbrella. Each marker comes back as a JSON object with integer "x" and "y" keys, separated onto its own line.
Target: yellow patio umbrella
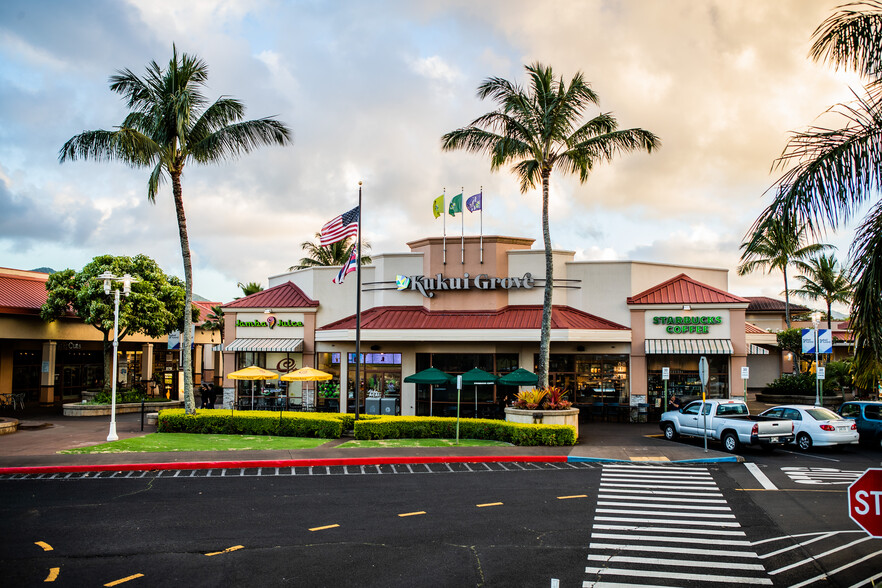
{"x": 306, "y": 374}
{"x": 252, "y": 372}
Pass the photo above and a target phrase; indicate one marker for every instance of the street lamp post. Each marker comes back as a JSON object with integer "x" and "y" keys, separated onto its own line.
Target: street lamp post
{"x": 126, "y": 280}
{"x": 816, "y": 320}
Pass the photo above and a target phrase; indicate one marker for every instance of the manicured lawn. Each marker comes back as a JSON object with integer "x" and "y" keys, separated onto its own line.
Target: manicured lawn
{"x": 425, "y": 443}
{"x": 190, "y": 442}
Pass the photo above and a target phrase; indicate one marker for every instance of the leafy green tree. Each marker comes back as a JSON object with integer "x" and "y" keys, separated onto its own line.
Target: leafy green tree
{"x": 171, "y": 123}
{"x": 832, "y": 174}
{"x": 822, "y": 279}
{"x": 540, "y": 129}
{"x": 791, "y": 340}
{"x": 775, "y": 245}
{"x": 154, "y": 308}
{"x": 330, "y": 255}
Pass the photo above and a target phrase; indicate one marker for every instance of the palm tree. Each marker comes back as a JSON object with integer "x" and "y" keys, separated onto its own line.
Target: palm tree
{"x": 169, "y": 124}
{"x": 775, "y": 245}
{"x": 333, "y": 254}
{"x": 250, "y": 288}
{"x": 835, "y": 172}
{"x": 214, "y": 320}
{"x": 822, "y": 279}
{"x": 538, "y": 130}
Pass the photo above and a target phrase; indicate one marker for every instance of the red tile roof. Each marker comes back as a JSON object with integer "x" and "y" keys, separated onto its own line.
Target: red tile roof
{"x": 285, "y": 295}
{"x": 752, "y": 329}
{"x": 766, "y": 304}
{"x": 22, "y": 292}
{"x": 204, "y": 307}
{"x": 509, "y": 317}
{"x": 684, "y": 290}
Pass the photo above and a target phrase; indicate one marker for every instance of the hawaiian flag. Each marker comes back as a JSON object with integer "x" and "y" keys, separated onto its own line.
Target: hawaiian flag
{"x": 474, "y": 202}
{"x": 350, "y": 266}
{"x": 339, "y": 228}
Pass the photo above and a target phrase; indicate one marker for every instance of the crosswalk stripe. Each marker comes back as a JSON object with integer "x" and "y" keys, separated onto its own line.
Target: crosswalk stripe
{"x": 673, "y": 562}
{"x": 715, "y": 532}
{"x": 628, "y": 489}
{"x": 659, "y": 498}
{"x": 666, "y": 521}
{"x": 665, "y": 512}
{"x": 656, "y": 480}
{"x": 680, "y": 576}
{"x": 653, "y": 487}
{"x": 693, "y": 540}
{"x": 672, "y": 506}
{"x": 595, "y": 584}
{"x": 651, "y": 468}
{"x": 678, "y": 549}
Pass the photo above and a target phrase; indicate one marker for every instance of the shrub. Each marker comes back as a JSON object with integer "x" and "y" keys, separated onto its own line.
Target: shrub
{"x": 406, "y": 427}
{"x": 126, "y": 395}
{"x": 255, "y": 422}
{"x": 793, "y": 385}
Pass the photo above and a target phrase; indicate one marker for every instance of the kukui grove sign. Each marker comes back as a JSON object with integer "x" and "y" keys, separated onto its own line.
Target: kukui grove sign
{"x": 428, "y": 286}
{"x": 270, "y": 322}
{"x": 683, "y": 325}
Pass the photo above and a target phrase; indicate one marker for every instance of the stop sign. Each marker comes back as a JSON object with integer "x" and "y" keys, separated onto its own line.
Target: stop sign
{"x": 865, "y": 501}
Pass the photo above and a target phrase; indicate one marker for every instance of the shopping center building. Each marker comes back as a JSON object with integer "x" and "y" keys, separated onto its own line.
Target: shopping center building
{"x": 460, "y": 303}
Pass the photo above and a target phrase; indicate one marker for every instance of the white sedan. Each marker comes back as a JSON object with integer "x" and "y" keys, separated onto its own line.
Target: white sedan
{"x": 815, "y": 425}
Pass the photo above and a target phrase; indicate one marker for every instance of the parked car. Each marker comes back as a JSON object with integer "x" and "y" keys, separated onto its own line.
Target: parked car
{"x": 815, "y": 425}
{"x": 868, "y": 418}
{"x": 727, "y": 421}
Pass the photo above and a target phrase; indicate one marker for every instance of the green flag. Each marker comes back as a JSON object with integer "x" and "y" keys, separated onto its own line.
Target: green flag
{"x": 438, "y": 206}
{"x": 455, "y": 204}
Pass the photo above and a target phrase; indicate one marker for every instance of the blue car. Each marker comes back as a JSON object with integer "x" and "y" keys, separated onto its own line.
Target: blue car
{"x": 868, "y": 417}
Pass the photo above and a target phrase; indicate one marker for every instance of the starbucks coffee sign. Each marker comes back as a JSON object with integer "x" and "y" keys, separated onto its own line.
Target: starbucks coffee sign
{"x": 428, "y": 286}
{"x": 687, "y": 325}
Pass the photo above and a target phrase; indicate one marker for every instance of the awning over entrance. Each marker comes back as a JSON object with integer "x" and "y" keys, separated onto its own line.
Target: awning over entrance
{"x": 756, "y": 350}
{"x": 688, "y": 346}
{"x": 281, "y": 345}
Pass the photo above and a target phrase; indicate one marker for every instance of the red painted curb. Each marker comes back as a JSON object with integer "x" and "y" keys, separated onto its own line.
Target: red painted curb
{"x": 278, "y": 463}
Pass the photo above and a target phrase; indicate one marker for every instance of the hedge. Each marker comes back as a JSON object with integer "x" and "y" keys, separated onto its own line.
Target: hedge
{"x": 324, "y": 425}
{"x": 404, "y": 427}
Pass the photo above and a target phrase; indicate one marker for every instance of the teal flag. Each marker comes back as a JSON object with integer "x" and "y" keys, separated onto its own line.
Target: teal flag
{"x": 455, "y": 204}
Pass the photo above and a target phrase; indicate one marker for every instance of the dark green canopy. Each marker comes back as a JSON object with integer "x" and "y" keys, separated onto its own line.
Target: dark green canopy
{"x": 429, "y": 376}
{"x": 477, "y": 376}
{"x": 519, "y": 377}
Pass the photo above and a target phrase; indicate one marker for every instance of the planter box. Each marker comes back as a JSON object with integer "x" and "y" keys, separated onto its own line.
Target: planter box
{"x": 569, "y": 416}
{"x": 86, "y": 410}
{"x": 831, "y": 400}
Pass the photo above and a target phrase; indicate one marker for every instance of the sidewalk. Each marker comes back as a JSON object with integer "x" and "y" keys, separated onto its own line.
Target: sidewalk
{"x": 35, "y": 446}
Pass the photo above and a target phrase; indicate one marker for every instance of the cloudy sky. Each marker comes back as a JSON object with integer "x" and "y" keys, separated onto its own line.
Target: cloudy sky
{"x": 368, "y": 88}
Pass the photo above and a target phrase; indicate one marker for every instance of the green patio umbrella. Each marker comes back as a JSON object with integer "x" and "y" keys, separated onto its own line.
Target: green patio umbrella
{"x": 519, "y": 377}
{"x": 476, "y": 377}
{"x": 429, "y": 376}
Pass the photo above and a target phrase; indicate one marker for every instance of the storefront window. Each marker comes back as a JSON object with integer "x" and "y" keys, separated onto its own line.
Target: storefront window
{"x": 476, "y": 401}
{"x": 590, "y": 378}
{"x": 26, "y": 374}
{"x": 684, "y": 380}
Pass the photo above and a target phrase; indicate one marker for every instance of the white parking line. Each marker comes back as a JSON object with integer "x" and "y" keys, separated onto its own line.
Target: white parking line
{"x": 760, "y": 477}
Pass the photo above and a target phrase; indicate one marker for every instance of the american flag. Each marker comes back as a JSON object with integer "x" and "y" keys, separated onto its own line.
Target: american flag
{"x": 350, "y": 266}
{"x": 340, "y": 227}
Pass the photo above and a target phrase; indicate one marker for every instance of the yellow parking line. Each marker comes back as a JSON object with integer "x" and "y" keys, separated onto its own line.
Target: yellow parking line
{"x": 227, "y": 550}
{"x": 323, "y": 528}
{"x": 573, "y": 496}
{"x": 489, "y": 504}
{"x": 44, "y": 545}
{"x": 121, "y": 580}
{"x": 412, "y": 514}
{"x": 53, "y": 574}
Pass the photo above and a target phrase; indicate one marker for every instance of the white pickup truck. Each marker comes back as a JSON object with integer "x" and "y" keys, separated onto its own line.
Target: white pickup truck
{"x": 727, "y": 421}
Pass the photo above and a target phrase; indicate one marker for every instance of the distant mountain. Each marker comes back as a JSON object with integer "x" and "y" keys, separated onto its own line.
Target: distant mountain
{"x": 44, "y": 270}
{"x": 198, "y": 298}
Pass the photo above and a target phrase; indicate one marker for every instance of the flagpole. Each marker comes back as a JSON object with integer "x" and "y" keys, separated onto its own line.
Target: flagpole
{"x": 482, "y": 224}
{"x": 444, "y": 223}
{"x": 462, "y": 239}
{"x": 358, "y": 307}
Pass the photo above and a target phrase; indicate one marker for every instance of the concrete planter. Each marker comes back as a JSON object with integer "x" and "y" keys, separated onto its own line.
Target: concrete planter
{"x": 8, "y": 426}
{"x": 87, "y": 410}
{"x": 569, "y": 416}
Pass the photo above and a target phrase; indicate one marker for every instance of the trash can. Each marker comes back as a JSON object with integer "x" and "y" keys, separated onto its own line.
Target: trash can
{"x": 389, "y": 406}
{"x": 372, "y": 406}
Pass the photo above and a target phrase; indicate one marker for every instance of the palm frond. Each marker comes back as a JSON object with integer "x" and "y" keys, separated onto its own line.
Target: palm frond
{"x": 850, "y": 38}
{"x": 866, "y": 315}
{"x": 244, "y": 137}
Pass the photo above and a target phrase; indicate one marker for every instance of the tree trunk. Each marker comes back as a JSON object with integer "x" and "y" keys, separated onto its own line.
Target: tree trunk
{"x": 186, "y": 336}
{"x": 786, "y": 299}
{"x": 545, "y": 337}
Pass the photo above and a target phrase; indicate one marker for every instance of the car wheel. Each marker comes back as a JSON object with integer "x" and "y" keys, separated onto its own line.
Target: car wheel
{"x": 670, "y": 432}
{"x": 804, "y": 442}
{"x": 730, "y": 442}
